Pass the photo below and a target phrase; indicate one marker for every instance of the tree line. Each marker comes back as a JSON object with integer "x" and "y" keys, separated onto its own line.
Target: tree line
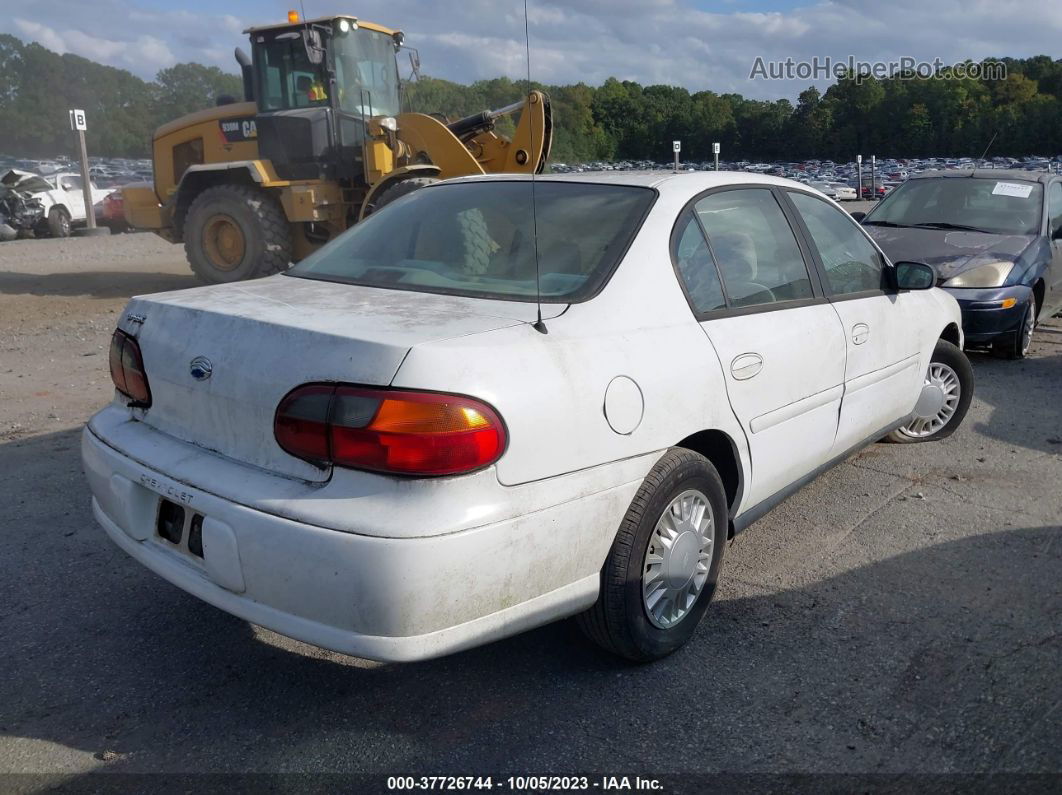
{"x": 903, "y": 116}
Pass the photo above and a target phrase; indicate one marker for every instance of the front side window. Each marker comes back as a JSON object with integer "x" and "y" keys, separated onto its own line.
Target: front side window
{"x": 366, "y": 73}
{"x": 286, "y": 77}
{"x": 479, "y": 239}
{"x": 851, "y": 262}
{"x": 754, "y": 246}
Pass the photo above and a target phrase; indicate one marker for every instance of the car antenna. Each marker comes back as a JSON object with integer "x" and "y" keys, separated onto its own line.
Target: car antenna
{"x": 982, "y": 157}
{"x": 538, "y": 325}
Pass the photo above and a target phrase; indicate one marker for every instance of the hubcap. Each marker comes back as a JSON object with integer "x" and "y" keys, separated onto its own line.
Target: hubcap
{"x": 677, "y": 559}
{"x": 223, "y": 242}
{"x": 937, "y": 403}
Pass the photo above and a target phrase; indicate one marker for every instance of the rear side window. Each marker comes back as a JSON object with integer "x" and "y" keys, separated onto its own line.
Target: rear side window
{"x": 851, "y": 262}
{"x": 479, "y": 239}
{"x": 696, "y": 267}
{"x": 754, "y": 246}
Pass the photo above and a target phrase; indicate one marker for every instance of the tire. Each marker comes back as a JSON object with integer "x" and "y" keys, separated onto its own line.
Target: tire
{"x": 1017, "y": 347}
{"x": 396, "y": 190}
{"x": 236, "y": 232}
{"x": 474, "y": 244}
{"x": 620, "y": 621}
{"x": 946, "y": 358}
{"x": 58, "y": 222}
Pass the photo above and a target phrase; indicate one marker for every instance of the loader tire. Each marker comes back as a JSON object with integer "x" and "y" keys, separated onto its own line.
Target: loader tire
{"x": 397, "y": 190}
{"x": 236, "y": 232}
{"x": 478, "y": 244}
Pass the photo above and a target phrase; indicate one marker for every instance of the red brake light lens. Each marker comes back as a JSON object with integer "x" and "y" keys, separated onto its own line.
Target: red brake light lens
{"x": 127, "y": 369}
{"x": 392, "y": 431}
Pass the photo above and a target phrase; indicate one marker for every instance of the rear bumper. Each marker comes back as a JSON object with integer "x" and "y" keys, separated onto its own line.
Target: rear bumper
{"x": 984, "y": 318}
{"x": 381, "y": 598}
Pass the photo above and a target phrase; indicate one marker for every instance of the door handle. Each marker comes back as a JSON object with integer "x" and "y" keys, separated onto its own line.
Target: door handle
{"x": 746, "y": 366}
{"x": 860, "y": 333}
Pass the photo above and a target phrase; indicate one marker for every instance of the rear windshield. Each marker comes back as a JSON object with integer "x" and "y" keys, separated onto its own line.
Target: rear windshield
{"x": 1003, "y": 206}
{"x": 478, "y": 239}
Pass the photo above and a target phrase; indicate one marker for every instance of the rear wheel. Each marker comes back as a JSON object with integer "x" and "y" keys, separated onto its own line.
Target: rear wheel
{"x": 664, "y": 564}
{"x": 58, "y": 222}
{"x": 945, "y": 398}
{"x": 1017, "y": 347}
{"x": 236, "y": 232}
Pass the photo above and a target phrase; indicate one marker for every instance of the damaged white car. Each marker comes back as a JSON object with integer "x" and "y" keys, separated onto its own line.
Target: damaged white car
{"x": 61, "y": 196}
{"x": 387, "y": 452}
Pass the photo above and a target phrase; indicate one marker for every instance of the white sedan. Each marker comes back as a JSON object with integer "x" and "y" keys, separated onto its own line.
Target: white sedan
{"x": 388, "y": 452}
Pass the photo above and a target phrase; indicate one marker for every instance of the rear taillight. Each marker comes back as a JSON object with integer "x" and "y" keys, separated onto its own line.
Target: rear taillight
{"x": 127, "y": 369}
{"x": 393, "y": 431}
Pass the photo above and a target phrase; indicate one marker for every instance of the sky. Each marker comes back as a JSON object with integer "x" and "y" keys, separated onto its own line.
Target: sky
{"x": 699, "y": 44}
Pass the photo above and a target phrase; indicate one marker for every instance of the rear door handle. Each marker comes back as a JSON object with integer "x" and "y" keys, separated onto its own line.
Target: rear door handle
{"x": 860, "y": 333}
{"x": 746, "y": 366}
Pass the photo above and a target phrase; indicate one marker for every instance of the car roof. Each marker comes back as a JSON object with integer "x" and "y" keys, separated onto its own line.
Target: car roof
{"x": 692, "y": 182}
{"x": 989, "y": 173}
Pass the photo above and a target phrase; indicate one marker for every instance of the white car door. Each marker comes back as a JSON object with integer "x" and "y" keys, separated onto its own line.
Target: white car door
{"x": 882, "y": 371}
{"x": 73, "y": 196}
{"x": 778, "y": 340}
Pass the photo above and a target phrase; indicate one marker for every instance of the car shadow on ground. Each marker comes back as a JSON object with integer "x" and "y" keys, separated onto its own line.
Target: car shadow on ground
{"x": 98, "y": 284}
{"x": 942, "y": 658}
{"x": 1026, "y": 405}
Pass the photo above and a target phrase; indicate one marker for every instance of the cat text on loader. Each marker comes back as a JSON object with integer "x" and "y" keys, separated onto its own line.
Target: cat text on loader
{"x": 318, "y": 144}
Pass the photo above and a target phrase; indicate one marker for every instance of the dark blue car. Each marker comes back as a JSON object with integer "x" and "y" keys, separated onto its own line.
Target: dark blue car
{"x": 994, "y": 238}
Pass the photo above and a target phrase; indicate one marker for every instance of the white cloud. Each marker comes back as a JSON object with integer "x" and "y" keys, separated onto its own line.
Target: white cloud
{"x": 650, "y": 41}
{"x": 144, "y": 52}
{"x": 34, "y": 31}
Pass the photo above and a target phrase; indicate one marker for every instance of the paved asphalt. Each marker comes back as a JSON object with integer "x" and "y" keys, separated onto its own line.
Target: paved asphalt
{"x": 901, "y": 615}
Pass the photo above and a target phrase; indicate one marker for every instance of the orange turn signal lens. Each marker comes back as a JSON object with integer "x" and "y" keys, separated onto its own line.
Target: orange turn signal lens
{"x": 1009, "y": 302}
{"x": 410, "y": 416}
{"x": 389, "y": 430}
{"x": 293, "y": 16}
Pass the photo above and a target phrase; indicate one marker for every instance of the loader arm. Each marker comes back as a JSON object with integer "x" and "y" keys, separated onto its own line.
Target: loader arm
{"x": 470, "y": 145}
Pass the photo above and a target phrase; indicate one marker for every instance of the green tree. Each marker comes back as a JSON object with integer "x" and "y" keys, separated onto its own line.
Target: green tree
{"x": 187, "y": 87}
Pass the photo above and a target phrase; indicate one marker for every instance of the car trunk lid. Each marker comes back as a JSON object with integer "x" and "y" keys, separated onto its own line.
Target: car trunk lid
{"x": 253, "y": 342}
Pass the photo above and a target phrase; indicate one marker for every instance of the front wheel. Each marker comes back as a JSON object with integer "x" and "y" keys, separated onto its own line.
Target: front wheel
{"x": 58, "y": 222}
{"x": 1017, "y": 347}
{"x": 945, "y": 398}
{"x": 398, "y": 189}
{"x": 664, "y": 564}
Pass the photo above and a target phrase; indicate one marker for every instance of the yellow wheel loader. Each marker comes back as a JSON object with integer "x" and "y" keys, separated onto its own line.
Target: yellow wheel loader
{"x": 318, "y": 143}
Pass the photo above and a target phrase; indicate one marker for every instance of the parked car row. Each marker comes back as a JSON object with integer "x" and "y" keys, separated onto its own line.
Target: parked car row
{"x": 878, "y": 179}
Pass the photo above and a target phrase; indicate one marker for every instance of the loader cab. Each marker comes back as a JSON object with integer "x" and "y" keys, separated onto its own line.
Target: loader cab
{"x": 317, "y": 83}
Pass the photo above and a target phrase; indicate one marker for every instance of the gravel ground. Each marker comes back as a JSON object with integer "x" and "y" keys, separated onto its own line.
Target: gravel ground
{"x": 901, "y": 615}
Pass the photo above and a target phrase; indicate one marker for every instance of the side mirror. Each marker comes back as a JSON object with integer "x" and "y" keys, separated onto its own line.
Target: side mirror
{"x": 914, "y": 276}
{"x": 311, "y": 40}
{"x": 859, "y": 215}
